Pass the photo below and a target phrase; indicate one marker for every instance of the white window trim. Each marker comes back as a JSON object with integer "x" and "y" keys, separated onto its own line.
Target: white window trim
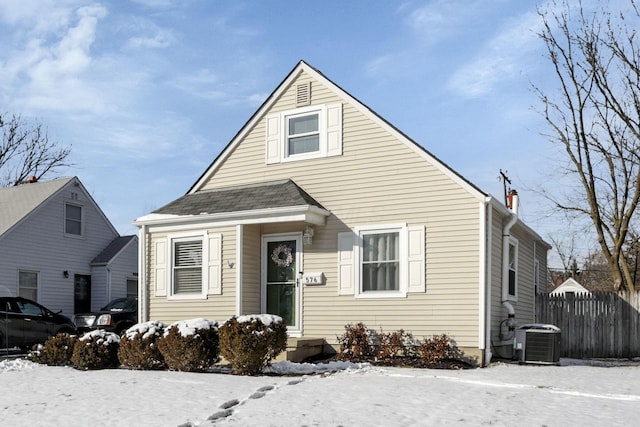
{"x": 514, "y": 297}
{"x": 172, "y": 238}
{"x": 321, "y": 110}
{"x": 401, "y": 229}
{"x": 82, "y": 220}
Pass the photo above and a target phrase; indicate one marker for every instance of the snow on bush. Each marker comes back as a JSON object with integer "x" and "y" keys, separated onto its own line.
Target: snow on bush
{"x": 96, "y": 350}
{"x": 190, "y": 345}
{"x": 56, "y": 351}
{"x": 250, "y": 342}
{"x": 139, "y": 348}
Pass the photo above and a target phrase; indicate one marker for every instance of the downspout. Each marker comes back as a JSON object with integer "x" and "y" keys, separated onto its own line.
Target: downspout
{"x": 506, "y": 234}
{"x": 486, "y": 302}
{"x": 142, "y": 276}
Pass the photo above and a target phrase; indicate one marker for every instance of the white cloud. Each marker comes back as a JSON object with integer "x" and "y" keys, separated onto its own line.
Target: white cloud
{"x": 46, "y": 68}
{"x": 145, "y": 34}
{"x": 503, "y": 57}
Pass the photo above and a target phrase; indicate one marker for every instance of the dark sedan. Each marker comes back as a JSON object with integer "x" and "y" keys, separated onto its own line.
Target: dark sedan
{"x": 117, "y": 316}
{"x": 24, "y": 323}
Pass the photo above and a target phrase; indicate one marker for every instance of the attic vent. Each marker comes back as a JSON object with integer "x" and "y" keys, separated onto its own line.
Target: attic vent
{"x": 303, "y": 94}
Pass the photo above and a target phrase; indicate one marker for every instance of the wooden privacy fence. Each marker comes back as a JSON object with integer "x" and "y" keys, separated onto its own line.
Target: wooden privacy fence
{"x": 601, "y": 324}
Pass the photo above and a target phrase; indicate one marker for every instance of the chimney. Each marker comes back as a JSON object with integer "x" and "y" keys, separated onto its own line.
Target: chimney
{"x": 32, "y": 179}
{"x": 513, "y": 201}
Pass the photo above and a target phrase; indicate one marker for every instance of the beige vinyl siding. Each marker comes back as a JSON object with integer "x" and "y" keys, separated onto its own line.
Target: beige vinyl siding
{"x": 215, "y": 307}
{"x": 251, "y": 275}
{"x": 377, "y": 180}
{"x": 524, "y": 306}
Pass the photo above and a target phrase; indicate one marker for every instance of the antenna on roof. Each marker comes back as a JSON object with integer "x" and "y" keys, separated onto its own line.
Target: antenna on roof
{"x": 505, "y": 180}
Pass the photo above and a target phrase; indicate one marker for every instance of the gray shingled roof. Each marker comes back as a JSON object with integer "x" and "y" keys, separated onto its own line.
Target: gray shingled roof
{"x": 112, "y": 249}
{"x": 18, "y": 201}
{"x": 273, "y": 194}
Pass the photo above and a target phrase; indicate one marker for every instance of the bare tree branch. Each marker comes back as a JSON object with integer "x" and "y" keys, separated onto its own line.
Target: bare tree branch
{"x": 596, "y": 119}
{"x": 25, "y": 150}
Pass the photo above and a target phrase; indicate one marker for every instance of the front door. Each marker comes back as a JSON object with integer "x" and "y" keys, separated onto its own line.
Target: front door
{"x": 82, "y": 293}
{"x": 281, "y": 260}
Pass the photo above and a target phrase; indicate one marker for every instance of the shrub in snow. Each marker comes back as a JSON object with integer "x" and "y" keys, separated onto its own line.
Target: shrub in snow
{"x": 96, "y": 350}
{"x": 250, "y": 342}
{"x": 139, "y": 346}
{"x": 441, "y": 352}
{"x": 56, "y": 351}
{"x": 391, "y": 347}
{"x": 357, "y": 344}
{"x": 190, "y": 345}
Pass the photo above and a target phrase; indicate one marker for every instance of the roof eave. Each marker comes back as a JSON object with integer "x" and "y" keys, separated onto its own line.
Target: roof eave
{"x": 304, "y": 213}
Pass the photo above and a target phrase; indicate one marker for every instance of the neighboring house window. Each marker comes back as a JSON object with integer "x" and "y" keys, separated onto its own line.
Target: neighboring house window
{"x": 73, "y": 219}
{"x": 513, "y": 268}
{"x": 28, "y": 284}
{"x": 380, "y": 261}
{"x": 187, "y": 266}
{"x": 132, "y": 288}
{"x": 304, "y": 133}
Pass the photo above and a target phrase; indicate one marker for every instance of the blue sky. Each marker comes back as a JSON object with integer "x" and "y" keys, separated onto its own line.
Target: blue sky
{"x": 148, "y": 92}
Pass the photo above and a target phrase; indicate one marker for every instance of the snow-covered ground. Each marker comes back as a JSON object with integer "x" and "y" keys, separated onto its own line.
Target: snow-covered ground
{"x": 501, "y": 395}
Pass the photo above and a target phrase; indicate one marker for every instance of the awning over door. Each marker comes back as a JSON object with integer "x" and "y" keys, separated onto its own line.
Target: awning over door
{"x": 273, "y": 201}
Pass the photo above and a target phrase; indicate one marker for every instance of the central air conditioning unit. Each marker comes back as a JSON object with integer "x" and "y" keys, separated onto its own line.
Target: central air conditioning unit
{"x": 537, "y": 343}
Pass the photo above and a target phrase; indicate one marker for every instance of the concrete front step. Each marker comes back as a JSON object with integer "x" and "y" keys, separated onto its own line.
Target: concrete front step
{"x": 298, "y": 349}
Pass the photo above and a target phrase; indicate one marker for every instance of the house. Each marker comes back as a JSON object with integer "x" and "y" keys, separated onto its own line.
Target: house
{"x": 59, "y": 249}
{"x": 322, "y": 212}
{"x": 570, "y": 286}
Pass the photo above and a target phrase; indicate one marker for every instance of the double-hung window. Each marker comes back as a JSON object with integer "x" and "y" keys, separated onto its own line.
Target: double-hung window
{"x": 73, "y": 219}
{"x": 28, "y": 284}
{"x": 187, "y": 266}
{"x": 512, "y": 290}
{"x": 303, "y": 133}
{"x": 380, "y": 261}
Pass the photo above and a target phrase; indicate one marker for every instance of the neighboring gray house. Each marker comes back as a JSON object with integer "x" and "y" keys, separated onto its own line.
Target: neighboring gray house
{"x": 58, "y": 248}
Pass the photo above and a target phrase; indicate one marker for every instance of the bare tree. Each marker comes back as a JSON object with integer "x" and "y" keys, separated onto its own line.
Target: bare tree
{"x": 25, "y": 150}
{"x": 595, "y": 117}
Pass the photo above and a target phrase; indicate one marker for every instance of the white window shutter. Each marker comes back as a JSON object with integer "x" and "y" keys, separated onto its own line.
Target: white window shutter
{"x": 346, "y": 263}
{"x": 416, "y": 259}
{"x": 160, "y": 268}
{"x": 334, "y": 129}
{"x": 273, "y": 138}
{"x": 215, "y": 264}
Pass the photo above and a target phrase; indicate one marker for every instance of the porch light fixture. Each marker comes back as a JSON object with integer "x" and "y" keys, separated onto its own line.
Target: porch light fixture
{"x": 65, "y": 274}
{"x": 307, "y": 236}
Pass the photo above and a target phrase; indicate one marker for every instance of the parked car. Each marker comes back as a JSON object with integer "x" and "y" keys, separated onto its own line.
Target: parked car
{"x": 117, "y": 316}
{"x": 24, "y": 323}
